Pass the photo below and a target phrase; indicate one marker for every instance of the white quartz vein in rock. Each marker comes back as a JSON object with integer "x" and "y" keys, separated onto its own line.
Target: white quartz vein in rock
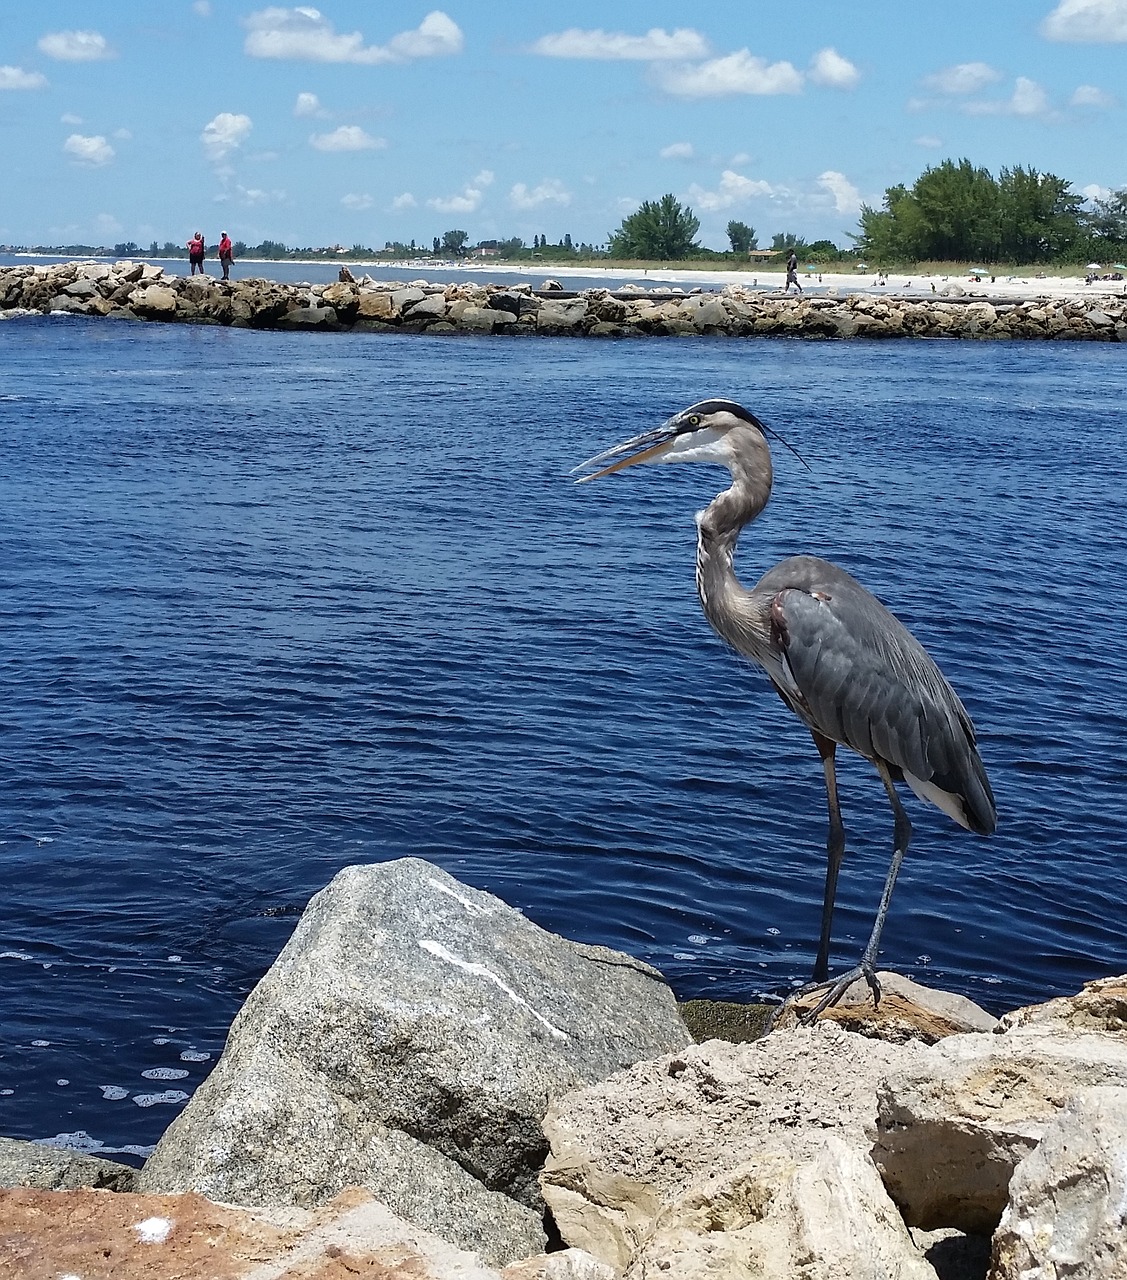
{"x": 437, "y": 950}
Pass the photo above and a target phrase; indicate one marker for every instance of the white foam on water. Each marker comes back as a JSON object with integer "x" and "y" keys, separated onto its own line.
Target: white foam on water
{"x": 15, "y": 955}
{"x": 40, "y": 1044}
{"x": 164, "y": 1073}
{"x": 160, "y": 1040}
{"x": 157, "y": 1099}
{"x": 153, "y": 1230}
{"x": 62, "y": 1082}
{"x": 195, "y": 1055}
{"x": 113, "y": 1092}
{"x": 698, "y": 939}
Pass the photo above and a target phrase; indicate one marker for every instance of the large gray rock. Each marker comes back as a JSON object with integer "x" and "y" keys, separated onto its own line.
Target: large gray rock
{"x": 564, "y": 315}
{"x": 954, "y": 1125}
{"x": 409, "y": 1038}
{"x": 717, "y": 1153}
{"x": 32, "y": 1164}
{"x": 1067, "y": 1214}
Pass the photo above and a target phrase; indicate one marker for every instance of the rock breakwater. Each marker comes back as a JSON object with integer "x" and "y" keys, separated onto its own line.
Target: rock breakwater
{"x": 142, "y": 291}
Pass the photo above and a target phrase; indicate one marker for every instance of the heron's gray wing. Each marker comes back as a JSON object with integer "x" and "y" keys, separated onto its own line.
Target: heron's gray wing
{"x": 865, "y": 681}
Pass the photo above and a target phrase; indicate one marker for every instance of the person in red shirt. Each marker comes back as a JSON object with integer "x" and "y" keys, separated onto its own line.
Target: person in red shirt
{"x": 196, "y": 252}
{"x": 226, "y": 254}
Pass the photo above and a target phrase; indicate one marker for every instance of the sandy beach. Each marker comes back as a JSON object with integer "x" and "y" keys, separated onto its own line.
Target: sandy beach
{"x": 1000, "y": 286}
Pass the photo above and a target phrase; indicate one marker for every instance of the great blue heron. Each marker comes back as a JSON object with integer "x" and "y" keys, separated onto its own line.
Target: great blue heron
{"x": 837, "y": 657}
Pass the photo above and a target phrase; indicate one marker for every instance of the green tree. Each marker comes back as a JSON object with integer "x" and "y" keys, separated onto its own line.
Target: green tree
{"x": 454, "y": 242}
{"x": 741, "y": 237}
{"x": 661, "y": 230}
{"x": 786, "y": 241}
{"x": 1107, "y": 219}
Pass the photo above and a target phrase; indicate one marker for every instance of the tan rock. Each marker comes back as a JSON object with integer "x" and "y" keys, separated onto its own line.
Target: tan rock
{"x": 953, "y": 1125}
{"x": 1099, "y": 1006}
{"x": 625, "y": 1151}
{"x": 907, "y": 1011}
{"x": 822, "y": 1214}
{"x": 376, "y": 306}
{"x": 1067, "y": 1213}
{"x": 154, "y": 300}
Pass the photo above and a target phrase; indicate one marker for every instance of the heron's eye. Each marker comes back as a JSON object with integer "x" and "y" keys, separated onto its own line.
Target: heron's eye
{"x": 694, "y": 420}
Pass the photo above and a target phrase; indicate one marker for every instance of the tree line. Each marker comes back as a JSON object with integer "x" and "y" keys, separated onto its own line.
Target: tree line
{"x": 957, "y": 211}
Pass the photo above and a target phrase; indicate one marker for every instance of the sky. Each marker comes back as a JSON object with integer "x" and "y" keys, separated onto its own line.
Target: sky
{"x": 365, "y": 121}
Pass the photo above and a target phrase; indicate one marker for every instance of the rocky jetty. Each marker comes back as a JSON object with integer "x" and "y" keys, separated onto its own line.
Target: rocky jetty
{"x": 427, "y": 1085}
{"x": 142, "y": 291}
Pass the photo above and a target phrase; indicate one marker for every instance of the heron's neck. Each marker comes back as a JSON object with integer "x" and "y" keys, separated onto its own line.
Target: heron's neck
{"x": 723, "y": 597}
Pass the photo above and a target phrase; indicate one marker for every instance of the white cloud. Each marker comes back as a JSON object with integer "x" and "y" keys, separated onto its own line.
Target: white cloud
{"x": 964, "y": 77}
{"x": 68, "y": 117}
{"x": 847, "y": 199}
{"x": 1028, "y": 99}
{"x": 306, "y": 35}
{"x": 733, "y": 189}
{"x": 107, "y": 224}
{"x": 1087, "y": 95}
{"x": 829, "y": 68}
{"x": 122, "y": 135}
{"x": 657, "y": 45}
{"x": 468, "y": 200}
{"x": 75, "y": 46}
{"x": 1094, "y": 21}
{"x": 928, "y": 140}
{"x": 95, "y": 151}
{"x": 739, "y": 72}
{"x": 357, "y": 202}
{"x": 308, "y": 104}
{"x": 404, "y": 201}
{"x": 435, "y": 37}
{"x": 550, "y": 191}
{"x": 349, "y": 137}
{"x": 223, "y": 134}
{"x": 18, "y": 78}
{"x": 677, "y": 151}
{"x": 202, "y": 8}
{"x": 1093, "y": 191}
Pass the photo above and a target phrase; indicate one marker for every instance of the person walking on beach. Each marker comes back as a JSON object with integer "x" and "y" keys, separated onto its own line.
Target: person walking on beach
{"x": 226, "y": 254}
{"x": 195, "y": 252}
{"x": 792, "y": 273}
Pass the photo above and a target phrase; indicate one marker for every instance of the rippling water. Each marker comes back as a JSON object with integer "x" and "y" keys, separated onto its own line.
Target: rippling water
{"x": 277, "y": 603}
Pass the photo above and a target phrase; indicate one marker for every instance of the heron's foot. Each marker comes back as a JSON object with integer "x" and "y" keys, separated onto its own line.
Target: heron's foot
{"x": 834, "y": 989}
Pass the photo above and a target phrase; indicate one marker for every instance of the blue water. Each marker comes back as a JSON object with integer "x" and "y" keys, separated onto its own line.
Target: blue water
{"x": 277, "y": 603}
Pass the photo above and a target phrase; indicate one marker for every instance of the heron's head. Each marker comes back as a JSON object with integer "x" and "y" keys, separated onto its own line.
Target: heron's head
{"x": 718, "y": 431}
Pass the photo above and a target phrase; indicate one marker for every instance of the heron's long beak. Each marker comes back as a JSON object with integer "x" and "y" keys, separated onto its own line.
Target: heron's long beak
{"x": 647, "y": 447}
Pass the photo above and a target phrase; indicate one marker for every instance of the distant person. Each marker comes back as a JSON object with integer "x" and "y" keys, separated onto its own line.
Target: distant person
{"x": 196, "y": 249}
{"x": 792, "y": 273}
{"x": 226, "y": 254}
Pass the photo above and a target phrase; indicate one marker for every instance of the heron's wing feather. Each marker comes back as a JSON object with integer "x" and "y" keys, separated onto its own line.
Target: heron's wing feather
{"x": 866, "y": 682}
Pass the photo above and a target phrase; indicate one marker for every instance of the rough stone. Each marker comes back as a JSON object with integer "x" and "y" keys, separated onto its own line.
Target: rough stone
{"x": 822, "y": 1214}
{"x": 907, "y": 1011}
{"x": 376, "y": 306}
{"x": 154, "y": 300}
{"x": 406, "y": 1008}
{"x": 309, "y": 318}
{"x": 566, "y": 314}
{"x": 1067, "y": 1212}
{"x": 953, "y": 1125}
{"x": 48, "y": 1235}
{"x": 34, "y": 1164}
{"x": 625, "y": 1152}
{"x": 1099, "y": 1006}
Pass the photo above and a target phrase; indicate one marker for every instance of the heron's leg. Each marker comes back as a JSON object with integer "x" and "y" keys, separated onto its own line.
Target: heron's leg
{"x": 902, "y": 834}
{"x": 835, "y": 852}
